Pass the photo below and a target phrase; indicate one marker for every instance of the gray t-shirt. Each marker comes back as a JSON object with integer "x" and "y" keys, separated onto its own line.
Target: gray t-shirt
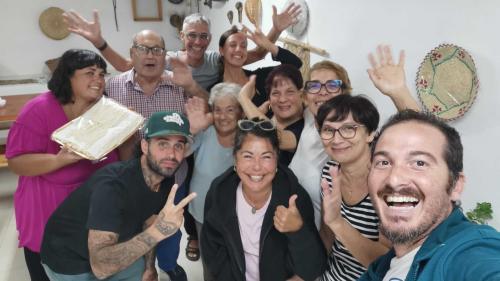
{"x": 206, "y": 74}
{"x": 210, "y": 160}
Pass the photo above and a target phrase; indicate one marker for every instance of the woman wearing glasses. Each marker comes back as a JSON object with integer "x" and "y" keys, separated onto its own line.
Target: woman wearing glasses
{"x": 233, "y": 50}
{"x": 347, "y": 126}
{"x": 258, "y": 219}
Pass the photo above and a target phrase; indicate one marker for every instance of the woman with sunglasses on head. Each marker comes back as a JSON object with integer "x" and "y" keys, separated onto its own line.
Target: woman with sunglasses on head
{"x": 258, "y": 219}
{"x": 213, "y": 144}
{"x": 284, "y": 85}
{"x": 233, "y": 49}
{"x": 48, "y": 173}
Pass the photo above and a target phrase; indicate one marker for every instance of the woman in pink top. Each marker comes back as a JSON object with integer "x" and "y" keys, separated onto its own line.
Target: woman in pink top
{"x": 47, "y": 172}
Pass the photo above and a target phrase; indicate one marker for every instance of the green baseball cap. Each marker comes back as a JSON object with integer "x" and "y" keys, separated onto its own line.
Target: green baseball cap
{"x": 166, "y": 123}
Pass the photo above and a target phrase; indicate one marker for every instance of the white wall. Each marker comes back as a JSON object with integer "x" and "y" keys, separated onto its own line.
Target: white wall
{"x": 24, "y": 48}
{"x": 348, "y": 30}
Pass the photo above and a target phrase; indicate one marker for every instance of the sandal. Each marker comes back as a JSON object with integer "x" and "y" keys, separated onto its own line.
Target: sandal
{"x": 192, "y": 253}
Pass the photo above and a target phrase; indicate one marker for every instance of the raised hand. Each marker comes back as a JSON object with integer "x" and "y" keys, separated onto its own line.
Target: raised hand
{"x": 288, "y": 219}
{"x": 90, "y": 30}
{"x": 332, "y": 198}
{"x": 247, "y": 92}
{"x": 387, "y": 76}
{"x": 287, "y": 18}
{"x": 198, "y": 115}
{"x": 181, "y": 74}
{"x": 170, "y": 218}
{"x": 260, "y": 39}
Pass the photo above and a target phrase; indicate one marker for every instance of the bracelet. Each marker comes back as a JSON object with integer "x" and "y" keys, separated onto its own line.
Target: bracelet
{"x": 103, "y": 47}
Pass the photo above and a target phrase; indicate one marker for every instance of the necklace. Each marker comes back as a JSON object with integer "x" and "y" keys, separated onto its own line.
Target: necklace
{"x": 254, "y": 207}
{"x": 252, "y": 204}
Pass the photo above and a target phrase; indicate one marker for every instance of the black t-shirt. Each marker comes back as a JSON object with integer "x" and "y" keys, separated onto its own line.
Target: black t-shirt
{"x": 296, "y": 128}
{"x": 116, "y": 199}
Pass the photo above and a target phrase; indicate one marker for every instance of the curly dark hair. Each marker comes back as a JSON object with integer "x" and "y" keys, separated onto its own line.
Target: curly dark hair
{"x": 453, "y": 151}
{"x": 70, "y": 61}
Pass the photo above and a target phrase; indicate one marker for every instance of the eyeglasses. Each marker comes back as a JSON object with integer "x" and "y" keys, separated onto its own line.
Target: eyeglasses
{"x": 346, "y": 131}
{"x": 144, "y": 50}
{"x": 192, "y": 36}
{"x": 248, "y": 125}
{"x": 331, "y": 86}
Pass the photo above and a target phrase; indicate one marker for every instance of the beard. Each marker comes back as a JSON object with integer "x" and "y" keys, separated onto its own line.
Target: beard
{"x": 156, "y": 168}
{"x": 429, "y": 220}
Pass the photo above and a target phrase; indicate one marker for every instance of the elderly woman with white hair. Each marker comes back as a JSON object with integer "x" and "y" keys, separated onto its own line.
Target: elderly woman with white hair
{"x": 213, "y": 145}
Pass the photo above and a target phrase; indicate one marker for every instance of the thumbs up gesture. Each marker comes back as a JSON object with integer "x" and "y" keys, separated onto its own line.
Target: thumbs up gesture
{"x": 288, "y": 219}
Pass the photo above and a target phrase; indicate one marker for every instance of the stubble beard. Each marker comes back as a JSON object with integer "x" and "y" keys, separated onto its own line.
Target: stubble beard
{"x": 155, "y": 167}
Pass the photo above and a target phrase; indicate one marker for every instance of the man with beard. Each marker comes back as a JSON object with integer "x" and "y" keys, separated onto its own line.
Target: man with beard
{"x": 108, "y": 227}
{"x": 415, "y": 182}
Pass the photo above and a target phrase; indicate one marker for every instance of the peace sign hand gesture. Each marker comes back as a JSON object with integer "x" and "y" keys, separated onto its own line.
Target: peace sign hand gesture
{"x": 170, "y": 218}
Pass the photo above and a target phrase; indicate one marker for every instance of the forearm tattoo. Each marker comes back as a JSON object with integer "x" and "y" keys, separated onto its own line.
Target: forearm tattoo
{"x": 107, "y": 257}
{"x": 164, "y": 226}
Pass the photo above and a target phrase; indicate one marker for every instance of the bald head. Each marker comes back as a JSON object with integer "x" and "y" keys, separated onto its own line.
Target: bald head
{"x": 148, "y": 35}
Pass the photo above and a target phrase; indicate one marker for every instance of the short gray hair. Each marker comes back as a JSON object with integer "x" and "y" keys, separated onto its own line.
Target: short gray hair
{"x": 223, "y": 90}
{"x": 195, "y": 18}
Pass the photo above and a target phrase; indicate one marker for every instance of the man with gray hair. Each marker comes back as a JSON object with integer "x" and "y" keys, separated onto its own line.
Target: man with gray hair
{"x": 195, "y": 36}
{"x": 415, "y": 182}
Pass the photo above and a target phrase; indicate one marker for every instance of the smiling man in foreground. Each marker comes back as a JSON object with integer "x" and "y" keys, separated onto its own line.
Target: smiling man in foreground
{"x": 415, "y": 182}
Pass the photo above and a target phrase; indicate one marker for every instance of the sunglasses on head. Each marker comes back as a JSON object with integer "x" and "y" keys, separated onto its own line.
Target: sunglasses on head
{"x": 248, "y": 125}
{"x": 331, "y": 86}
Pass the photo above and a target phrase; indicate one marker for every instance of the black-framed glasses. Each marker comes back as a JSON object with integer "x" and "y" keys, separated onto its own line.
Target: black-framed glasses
{"x": 248, "y": 125}
{"x": 144, "y": 50}
{"x": 192, "y": 36}
{"x": 331, "y": 86}
{"x": 346, "y": 131}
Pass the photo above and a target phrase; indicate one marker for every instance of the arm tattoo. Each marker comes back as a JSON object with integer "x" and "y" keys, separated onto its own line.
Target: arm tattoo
{"x": 107, "y": 256}
{"x": 165, "y": 227}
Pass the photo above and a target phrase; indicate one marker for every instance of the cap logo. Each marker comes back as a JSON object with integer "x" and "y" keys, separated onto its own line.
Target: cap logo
{"x": 175, "y": 118}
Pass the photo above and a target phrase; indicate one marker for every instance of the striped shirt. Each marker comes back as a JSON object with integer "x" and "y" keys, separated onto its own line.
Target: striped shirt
{"x": 341, "y": 264}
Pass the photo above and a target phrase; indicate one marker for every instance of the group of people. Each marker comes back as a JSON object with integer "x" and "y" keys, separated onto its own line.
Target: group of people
{"x": 283, "y": 177}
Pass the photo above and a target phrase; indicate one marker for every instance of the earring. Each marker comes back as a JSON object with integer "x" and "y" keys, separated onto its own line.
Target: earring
{"x": 276, "y": 169}
{"x": 234, "y": 168}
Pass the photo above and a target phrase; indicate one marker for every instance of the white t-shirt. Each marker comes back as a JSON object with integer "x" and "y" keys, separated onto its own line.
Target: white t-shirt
{"x": 400, "y": 266}
{"x": 308, "y": 162}
{"x": 250, "y": 228}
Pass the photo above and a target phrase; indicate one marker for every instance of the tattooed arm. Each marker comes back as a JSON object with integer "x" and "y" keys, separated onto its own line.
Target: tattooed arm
{"x": 107, "y": 256}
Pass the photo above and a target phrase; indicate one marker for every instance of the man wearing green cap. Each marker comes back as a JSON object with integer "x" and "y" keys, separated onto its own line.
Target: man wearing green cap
{"x": 109, "y": 227}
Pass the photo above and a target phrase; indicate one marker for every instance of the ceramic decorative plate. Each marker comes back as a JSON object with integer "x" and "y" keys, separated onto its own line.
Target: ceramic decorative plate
{"x": 447, "y": 82}
{"x": 298, "y": 29}
{"x": 52, "y": 24}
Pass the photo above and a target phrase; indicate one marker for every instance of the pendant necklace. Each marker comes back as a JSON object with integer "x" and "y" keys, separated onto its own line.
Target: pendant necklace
{"x": 254, "y": 208}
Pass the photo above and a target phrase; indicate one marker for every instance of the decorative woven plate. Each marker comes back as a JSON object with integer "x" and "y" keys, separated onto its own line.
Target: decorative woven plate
{"x": 447, "y": 82}
{"x": 102, "y": 128}
{"x": 253, "y": 10}
{"x": 52, "y": 24}
{"x": 298, "y": 29}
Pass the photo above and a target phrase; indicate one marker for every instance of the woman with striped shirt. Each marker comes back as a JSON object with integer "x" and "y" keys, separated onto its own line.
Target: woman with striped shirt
{"x": 347, "y": 125}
